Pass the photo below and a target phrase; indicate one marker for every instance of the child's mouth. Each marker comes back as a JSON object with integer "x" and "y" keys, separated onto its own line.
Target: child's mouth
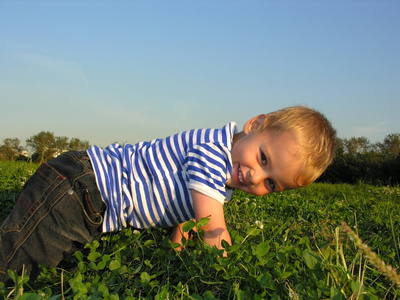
{"x": 240, "y": 176}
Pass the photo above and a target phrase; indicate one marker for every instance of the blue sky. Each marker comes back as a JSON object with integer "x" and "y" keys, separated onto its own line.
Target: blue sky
{"x": 126, "y": 71}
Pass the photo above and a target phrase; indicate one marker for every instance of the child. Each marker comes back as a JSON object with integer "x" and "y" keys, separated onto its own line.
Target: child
{"x": 75, "y": 197}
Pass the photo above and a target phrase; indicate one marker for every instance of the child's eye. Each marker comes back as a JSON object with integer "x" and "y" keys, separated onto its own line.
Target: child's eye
{"x": 263, "y": 158}
{"x": 271, "y": 184}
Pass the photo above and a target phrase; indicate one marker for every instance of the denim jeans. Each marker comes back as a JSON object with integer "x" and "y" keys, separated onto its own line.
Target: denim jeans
{"x": 59, "y": 210}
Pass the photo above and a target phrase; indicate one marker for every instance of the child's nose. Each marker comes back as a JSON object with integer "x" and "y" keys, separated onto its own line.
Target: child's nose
{"x": 257, "y": 177}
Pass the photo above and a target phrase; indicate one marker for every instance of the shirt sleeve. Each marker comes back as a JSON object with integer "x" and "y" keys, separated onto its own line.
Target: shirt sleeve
{"x": 207, "y": 170}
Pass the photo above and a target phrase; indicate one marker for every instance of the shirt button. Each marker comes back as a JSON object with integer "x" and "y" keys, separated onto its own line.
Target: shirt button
{"x": 70, "y": 192}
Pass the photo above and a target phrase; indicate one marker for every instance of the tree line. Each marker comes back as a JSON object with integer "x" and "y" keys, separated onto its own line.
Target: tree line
{"x": 357, "y": 159}
{"x": 43, "y": 146}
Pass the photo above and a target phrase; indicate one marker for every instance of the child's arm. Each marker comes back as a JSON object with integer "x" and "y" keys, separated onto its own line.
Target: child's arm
{"x": 177, "y": 235}
{"x": 215, "y": 231}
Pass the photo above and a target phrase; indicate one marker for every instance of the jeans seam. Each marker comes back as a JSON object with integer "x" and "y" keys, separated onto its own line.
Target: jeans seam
{"x": 53, "y": 184}
{"x": 49, "y": 191}
{"x": 34, "y": 224}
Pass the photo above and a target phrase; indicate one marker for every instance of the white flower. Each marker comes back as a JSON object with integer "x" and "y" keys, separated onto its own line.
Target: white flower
{"x": 259, "y": 224}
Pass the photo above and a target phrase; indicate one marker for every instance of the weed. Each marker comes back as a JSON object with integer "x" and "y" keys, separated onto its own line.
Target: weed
{"x": 378, "y": 263}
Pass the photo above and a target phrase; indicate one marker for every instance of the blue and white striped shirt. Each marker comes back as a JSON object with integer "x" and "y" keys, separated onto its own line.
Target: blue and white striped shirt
{"x": 148, "y": 184}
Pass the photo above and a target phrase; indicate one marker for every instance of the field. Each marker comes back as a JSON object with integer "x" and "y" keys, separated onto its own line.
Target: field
{"x": 285, "y": 246}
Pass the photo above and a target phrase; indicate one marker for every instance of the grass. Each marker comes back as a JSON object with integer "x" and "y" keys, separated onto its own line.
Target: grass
{"x": 284, "y": 246}
{"x": 13, "y": 176}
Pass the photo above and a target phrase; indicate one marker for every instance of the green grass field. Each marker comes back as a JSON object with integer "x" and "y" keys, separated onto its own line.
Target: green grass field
{"x": 285, "y": 246}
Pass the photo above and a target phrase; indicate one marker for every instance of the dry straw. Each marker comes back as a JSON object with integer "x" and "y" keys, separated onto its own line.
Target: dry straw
{"x": 387, "y": 270}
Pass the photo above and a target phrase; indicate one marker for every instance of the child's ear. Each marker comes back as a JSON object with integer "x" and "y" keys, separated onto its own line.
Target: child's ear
{"x": 254, "y": 123}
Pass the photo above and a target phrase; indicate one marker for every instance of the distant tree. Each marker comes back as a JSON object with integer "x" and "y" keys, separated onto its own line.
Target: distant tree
{"x": 339, "y": 146}
{"x": 47, "y": 146}
{"x": 10, "y": 149}
{"x": 77, "y": 144}
{"x": 60, "y": 145}
{"x": 357, "y": 145}
{"x": 359, "y": 160}
{"x": 390, "y": 147}
{"x": 43, "y": 144}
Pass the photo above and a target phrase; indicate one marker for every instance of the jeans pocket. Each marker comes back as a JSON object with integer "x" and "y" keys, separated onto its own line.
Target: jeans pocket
{"x": 41, "y": 192}
{"x": 91, "y": 205}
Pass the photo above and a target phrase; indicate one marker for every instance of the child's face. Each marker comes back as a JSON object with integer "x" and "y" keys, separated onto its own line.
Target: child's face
{"x": 264, "y": 162}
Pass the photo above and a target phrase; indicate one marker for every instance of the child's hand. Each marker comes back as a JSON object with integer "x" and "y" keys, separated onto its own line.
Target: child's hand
{"x": 177, "y": 235}
{"x": 215, "y": 230}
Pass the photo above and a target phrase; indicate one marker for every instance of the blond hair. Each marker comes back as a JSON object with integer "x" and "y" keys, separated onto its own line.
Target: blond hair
{"x": 314, "y": 134}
